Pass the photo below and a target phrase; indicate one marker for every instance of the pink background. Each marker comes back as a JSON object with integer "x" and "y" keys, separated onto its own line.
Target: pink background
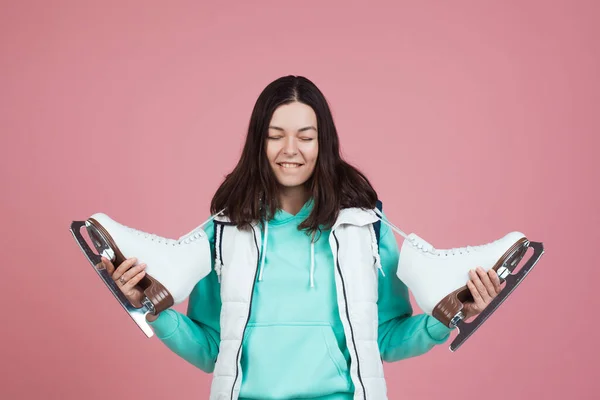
{"x": 471, "y": 120}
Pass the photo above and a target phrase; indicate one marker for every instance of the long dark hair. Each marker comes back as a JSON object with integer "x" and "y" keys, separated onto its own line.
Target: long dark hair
{"x": 251, "y": 193}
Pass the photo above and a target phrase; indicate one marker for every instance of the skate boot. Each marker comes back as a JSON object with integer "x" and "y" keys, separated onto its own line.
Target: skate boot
{"x": 437, "y": 278}
{"x": 173, "y": 267}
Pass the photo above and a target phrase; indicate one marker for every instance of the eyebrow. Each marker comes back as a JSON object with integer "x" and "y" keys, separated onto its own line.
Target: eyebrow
{"x": 306, "y": 128}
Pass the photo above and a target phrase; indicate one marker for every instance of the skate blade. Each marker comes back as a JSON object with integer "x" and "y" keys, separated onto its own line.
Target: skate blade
{"x": 466, "y": 329}
{"x": 138, "y": 315}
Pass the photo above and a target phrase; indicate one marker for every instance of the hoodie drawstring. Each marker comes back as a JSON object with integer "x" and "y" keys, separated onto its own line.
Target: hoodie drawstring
{"x": 312, "y": 263}
{"x": 264, "y": 254}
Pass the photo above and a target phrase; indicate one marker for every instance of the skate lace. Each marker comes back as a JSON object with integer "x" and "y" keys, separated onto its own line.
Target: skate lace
{"x": 427, "y": 248}
{"x": 185, "y": 239}
{"x": 173, "y": 242}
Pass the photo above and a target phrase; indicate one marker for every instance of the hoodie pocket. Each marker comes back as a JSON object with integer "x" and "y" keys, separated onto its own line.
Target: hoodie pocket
{"x": 292, "y": 360}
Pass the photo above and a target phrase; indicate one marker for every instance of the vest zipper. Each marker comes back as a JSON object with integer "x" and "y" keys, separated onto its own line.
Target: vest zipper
{"x": 337, "y": 261}
{"x": 237, "y": 362}
{"x": 221, "y": 244}
{"x": 219, "y": 227}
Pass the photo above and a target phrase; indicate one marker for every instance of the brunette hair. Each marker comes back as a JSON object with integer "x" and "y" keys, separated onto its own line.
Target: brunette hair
{"x": 250, "y": 192}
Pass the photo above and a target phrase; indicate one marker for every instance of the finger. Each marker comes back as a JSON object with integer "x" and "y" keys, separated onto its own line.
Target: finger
{"x": 135, "y": 280}
{"x": 133, "y": 272}
{"x": 480, "y": 287}
{"x": 487, "y": 283}
{"x": 495, "y": 280}
{"x": 125, "y": 265}
{"x": 468, "y": 310}
{"x": 479, "y": 304}
{"x": 110, "y": 268}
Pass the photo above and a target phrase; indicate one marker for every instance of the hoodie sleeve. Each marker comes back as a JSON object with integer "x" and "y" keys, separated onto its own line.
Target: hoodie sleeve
{"x": 195, "y": 336}
{"x": 401, "y": 334}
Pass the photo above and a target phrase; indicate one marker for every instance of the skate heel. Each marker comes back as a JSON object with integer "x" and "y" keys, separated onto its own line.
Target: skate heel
{"x": 509, "y": 261}
{"x": 158, "y": 298}
{"x": 448, "y": 311}
{"x": 101, "y": 240}
{"x": 101, "y": 243}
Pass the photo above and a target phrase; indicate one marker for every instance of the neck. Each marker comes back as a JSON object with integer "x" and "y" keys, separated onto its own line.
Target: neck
{"x": 293, "y": 199}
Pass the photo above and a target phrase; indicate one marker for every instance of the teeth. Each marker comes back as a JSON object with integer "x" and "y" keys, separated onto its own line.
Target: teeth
{"x": 289, "y": 165}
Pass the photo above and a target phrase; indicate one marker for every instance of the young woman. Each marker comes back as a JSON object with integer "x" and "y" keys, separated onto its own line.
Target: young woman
{"x": 303, "y": 300}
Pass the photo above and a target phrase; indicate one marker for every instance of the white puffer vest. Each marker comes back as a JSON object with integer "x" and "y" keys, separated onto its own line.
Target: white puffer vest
{"x": 356, "y": 264}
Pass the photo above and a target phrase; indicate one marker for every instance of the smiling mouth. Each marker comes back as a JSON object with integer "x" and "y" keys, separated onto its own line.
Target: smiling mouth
{"x": 289, "y": 165}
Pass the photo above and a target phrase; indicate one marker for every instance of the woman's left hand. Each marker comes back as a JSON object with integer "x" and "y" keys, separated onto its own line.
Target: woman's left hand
{"x": 484, "y": 287}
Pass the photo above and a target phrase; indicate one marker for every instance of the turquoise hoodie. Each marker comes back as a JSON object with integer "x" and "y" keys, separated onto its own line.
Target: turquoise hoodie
{"x": 294, "y": 345}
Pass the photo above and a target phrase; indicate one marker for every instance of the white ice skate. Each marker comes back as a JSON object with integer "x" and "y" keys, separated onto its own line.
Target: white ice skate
{"x": 438, "y": 277}
{"x": 173, "y": 267}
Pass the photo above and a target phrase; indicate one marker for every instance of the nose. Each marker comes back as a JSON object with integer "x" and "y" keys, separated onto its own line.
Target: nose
{"x": 290, "y": 147}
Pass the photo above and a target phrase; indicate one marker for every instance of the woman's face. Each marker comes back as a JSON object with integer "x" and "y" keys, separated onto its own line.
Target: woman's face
{"x": 292, "y": 145}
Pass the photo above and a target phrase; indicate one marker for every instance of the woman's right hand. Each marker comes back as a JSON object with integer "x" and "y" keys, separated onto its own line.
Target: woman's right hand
{"x": 126, "y": 276}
